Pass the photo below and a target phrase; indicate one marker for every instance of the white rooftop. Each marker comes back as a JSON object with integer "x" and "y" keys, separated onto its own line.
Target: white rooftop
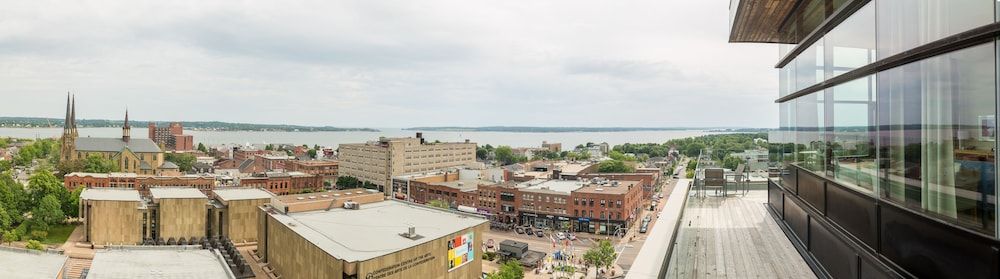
{"x": 28, "y": 264}
{"x": 110, "y": 194}
{"x": 337, "y": 231}
{"x": 158, "y": 263}
{"x": 176, "y": 193}
{"x": 241, "y": 194}
{"x": 562, "y": 186}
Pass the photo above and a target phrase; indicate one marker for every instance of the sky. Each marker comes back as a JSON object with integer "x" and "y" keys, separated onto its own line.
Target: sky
{"x": 662, "y": 63}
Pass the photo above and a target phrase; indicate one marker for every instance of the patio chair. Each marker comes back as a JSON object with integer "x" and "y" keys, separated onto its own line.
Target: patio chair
{"x": 741, "y": 179}
{"x": 715, "y": 178}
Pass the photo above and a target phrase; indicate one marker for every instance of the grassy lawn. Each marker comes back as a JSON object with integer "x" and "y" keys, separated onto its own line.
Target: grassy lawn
{"x": 58, "y": 234}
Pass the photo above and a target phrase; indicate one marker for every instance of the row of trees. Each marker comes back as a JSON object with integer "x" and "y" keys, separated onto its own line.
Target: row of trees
{"x": 29, "y": 213}
{"x": 505, "y": 155}
{"x": 348, "y": 182}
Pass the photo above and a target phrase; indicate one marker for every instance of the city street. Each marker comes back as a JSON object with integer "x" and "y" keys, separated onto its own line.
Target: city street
{"x": 627, "y": 247}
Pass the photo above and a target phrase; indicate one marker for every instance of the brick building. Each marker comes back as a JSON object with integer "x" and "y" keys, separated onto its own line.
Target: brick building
{"x": 647, "y": 178}
{"x": 171, "y": 137}
{"x": 283, "y": 183}
{"x": 142, "y": 183}
{"x": 327, "y": 170}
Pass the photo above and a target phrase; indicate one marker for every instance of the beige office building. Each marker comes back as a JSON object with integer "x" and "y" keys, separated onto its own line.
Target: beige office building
{"x": 379, "y": 161}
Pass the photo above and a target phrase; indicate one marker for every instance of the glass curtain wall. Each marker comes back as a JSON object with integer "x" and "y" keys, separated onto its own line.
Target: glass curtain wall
{"x": 921, "y": 135}
{"x": 938, "y": 138}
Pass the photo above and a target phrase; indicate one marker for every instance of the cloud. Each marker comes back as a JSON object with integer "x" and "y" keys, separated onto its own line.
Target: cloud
{"x": 388, "y": 63}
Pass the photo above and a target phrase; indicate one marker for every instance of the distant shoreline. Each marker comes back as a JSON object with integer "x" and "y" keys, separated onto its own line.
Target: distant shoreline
{"x": 41, "y": 122}
{"x": 523, "y": 129}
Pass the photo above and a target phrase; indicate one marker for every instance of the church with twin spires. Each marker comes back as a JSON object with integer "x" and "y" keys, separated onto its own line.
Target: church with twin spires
{"x": 140, "y": 156}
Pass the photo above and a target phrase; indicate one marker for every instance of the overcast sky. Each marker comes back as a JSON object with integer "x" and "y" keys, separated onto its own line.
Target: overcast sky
{"x": 662, "y": 63}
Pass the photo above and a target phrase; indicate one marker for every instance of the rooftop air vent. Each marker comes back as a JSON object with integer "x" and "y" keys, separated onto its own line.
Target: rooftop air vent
{"x": 411, "y": 234}
{"x": 351, "y": 205}
{"x": 312, "y": 197}
{"x": 300, "y": 198}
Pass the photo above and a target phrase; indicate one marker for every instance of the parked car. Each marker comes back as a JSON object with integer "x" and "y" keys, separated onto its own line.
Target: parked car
{"x": 643, "y": 228}
{"x": 529, "y": 231}
{"x": 572, "y": 237}
{"x": 539, "y": 233}
{"x": 519, "y": 230}
{"x": 561, "y": 235}
{"x": 660, "y": 195}
{"x": 646, "y": 219}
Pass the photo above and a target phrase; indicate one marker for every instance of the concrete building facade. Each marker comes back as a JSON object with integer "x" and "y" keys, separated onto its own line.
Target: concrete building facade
{"x": 379, "y": 161}
{"x": 399, "y": 239}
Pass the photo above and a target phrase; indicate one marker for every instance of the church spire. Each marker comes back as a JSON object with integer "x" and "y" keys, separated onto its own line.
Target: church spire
{"x": 72, "y": 114}
{"x": 126, "y": 129}
{"x": 66, "y": 125}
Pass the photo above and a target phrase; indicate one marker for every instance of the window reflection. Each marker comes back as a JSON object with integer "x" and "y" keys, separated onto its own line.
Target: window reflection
{"x": 906, "y": 24}
{"x": 937, "y": 136}
{"x": 852, "y": 140}
{"x": 810, "y": 146}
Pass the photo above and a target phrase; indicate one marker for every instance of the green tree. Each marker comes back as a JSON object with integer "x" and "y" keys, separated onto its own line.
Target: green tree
{"x": 5, "y": 165}
{"x": 13, "y": 197}
{"x": 269, "y": 147}
{"x": 347, "y": 182}
{"x": 47, "y": 213}
{"x": 615, "y": 166}
{"x": 42, "y": 184}
{"x": 10, "y": 236}
{"x": 509, "y": 270}
{"x": 602, "y": 254}
{"x": 98, "y": 164}
{"x": 184, "y": 161}
{"x": 311, "y": 153}
{"x": 439, "y": 204}
{"x": 731, "y": 162}
{"x": 35, "y": 245}
{"x": 504, "y": 154}
{"x": 72, "y": 206}
{"x": 5, "y": 220}
{"x": 202, "y": 148}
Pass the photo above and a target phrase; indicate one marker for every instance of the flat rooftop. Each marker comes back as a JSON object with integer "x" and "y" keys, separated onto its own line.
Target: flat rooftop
{"x": 176, "y": 193}
{"x": 241, "y": 194}
{"x": 165, "y": 263}
{"x": 555, "y": 186}
{"x": 622, "y": 188}
{"x": 16, "y": 264}
{"x": 464, "y": 185}
{"x": 328, "y": 195}
{"x": 110, "y": 194}
{"x": 374, "y": 230}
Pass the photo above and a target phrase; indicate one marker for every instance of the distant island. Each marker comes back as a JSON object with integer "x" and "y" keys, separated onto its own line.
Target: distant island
{"x": 522, "y": 129}
{"x": 40, "y": 122}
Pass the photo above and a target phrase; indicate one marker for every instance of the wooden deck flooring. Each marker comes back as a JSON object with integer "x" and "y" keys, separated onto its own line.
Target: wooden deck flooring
{"x": 733, "y": 237}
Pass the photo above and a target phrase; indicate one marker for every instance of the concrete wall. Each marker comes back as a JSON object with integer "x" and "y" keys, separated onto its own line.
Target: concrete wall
{"x": 293, "y": 257}
{"x": 113, "y": 222}
{"x": 436, "y": 254}
{"x": 240, "y": 219}
{"x": 182, "y": 218}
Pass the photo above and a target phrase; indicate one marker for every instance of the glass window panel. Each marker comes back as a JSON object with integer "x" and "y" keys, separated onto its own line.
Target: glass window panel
{"x": 852, "y": 141}
{"x": 938, "y": 134}
{"x": 851, "y": 44}
{"x": 810, "y": 143}
{"x": 809, "y": 66}
{"x": 905, "y": 24}
{"x": 782, "y": 144}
